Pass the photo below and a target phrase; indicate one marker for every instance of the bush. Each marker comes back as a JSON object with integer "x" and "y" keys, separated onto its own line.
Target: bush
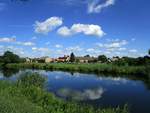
{"x": 31, "y": 79}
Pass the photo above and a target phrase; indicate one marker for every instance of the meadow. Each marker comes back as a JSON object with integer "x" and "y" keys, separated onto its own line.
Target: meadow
{"x": 96, "y": 68}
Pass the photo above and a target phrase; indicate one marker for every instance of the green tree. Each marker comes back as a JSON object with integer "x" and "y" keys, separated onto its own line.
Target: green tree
{"x": 149, "y": 51}
{"x": 1, "y": 59}
{"x": 72, "y": 57}
{"x": 10, "y": 57}
{"x": 102, "y": 58}
{"x": 87, "y": 56}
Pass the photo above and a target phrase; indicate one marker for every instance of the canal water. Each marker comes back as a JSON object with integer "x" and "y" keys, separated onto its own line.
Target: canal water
{"x": 97, "y": 90}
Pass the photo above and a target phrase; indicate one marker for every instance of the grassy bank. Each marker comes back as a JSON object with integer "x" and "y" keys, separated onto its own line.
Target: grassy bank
{"x": 87, "y": 68}
{"x": 28, "y": 96}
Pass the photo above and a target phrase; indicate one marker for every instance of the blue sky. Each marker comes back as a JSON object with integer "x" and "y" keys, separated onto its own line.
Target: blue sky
{"x": 58, "y": 27}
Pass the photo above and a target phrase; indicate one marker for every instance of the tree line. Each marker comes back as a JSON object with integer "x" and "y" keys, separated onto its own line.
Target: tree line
{"x": 123, "y": 61}
{"x": 10, "y": 57}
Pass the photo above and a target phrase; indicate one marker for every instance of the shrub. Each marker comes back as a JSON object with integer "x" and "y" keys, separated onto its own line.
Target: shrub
{"x": 31, "y": 79}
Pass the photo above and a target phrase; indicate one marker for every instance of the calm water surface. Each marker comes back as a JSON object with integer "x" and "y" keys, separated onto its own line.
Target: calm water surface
{"x": 95, "y": 90}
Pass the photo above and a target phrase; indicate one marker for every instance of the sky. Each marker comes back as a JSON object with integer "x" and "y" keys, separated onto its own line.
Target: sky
{"x": 55, "y": 28}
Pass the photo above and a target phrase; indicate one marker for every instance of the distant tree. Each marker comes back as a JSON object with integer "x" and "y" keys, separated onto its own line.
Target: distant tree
{"x": 10, "y": 57}
{"x": 87, "y": 56}
{"x": 149, "y": 51}
{"x": 72, "y": 57}
{"x": 102, "y": 58}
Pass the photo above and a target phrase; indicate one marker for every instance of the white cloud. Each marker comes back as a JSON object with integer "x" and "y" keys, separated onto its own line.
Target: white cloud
{"x": 7, "y": 39}
{"x": 17, "y": 50}
{"x": 74, "y": 49}
{"x": 39, "y": 49}
{"x": 86, "y": 29}
{"x": 113, "y": 45}
{"x": 87, "y": 94}
{"x": 48, "y": 25}
{"x": 95, "y": 7}
{"x": 25, "y": 43}
{"x": 90, "y": 50}
{"x": 64, "y": 31}
{"x": 42, "y": 51}
{"x": 117, "y": 44}
{"x": 122, "y": 49}
{"x": 58, "y": 46}
{"x": 133, "y": 51}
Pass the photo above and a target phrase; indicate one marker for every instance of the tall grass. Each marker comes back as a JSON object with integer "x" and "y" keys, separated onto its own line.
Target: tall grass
{"x": 25, "y": 96}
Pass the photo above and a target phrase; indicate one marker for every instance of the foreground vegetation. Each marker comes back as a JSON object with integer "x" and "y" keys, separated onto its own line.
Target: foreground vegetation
{"x": 27, "y": 95}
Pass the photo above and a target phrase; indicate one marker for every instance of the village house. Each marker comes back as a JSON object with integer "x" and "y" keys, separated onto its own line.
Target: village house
{"x": 28, "y": 60}
{"x": 49, "y": 60}
{"x": 65, "y": 58}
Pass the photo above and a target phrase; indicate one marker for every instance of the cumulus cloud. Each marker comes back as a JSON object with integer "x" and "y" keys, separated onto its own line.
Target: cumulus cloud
{"x": 95, "y": 7}
{"x": 48, "y": 25}
{"x": 17, "y": 50}
{"x": 86, "y": 29}
{"x": 7, "y": 39}
{"x": 64, "y": 31}
{"x": 115, "y": 45}
{"x": 87, "y": 94}
{"x": 41, "y": 51}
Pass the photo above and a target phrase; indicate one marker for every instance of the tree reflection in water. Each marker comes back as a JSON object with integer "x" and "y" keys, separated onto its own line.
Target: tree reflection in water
{"x": 9, "y": 72}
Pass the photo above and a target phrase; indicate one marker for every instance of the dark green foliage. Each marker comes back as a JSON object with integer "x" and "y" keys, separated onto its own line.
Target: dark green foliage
{"x": 102, "y": 58}
{"x": 72, "y": 57}
{"x": 128, "y": 61}
{"x": 9, "y": 72}
{"x": 1, "y": 59}
{"x": 87, "y": 56}
{"x": 9, "y": 57}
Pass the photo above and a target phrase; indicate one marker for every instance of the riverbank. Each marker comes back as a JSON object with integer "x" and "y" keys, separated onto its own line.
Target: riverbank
{"x": 86, "y": 68}
{"x": 27, "y": 95}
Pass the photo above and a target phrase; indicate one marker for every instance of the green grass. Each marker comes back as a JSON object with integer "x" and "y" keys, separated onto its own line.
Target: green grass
{"x": 27, "y": 96}
{"x": 87, "y": 68}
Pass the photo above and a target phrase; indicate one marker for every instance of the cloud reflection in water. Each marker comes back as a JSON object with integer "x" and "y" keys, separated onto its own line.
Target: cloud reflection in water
{"x": 87, "y": 94}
